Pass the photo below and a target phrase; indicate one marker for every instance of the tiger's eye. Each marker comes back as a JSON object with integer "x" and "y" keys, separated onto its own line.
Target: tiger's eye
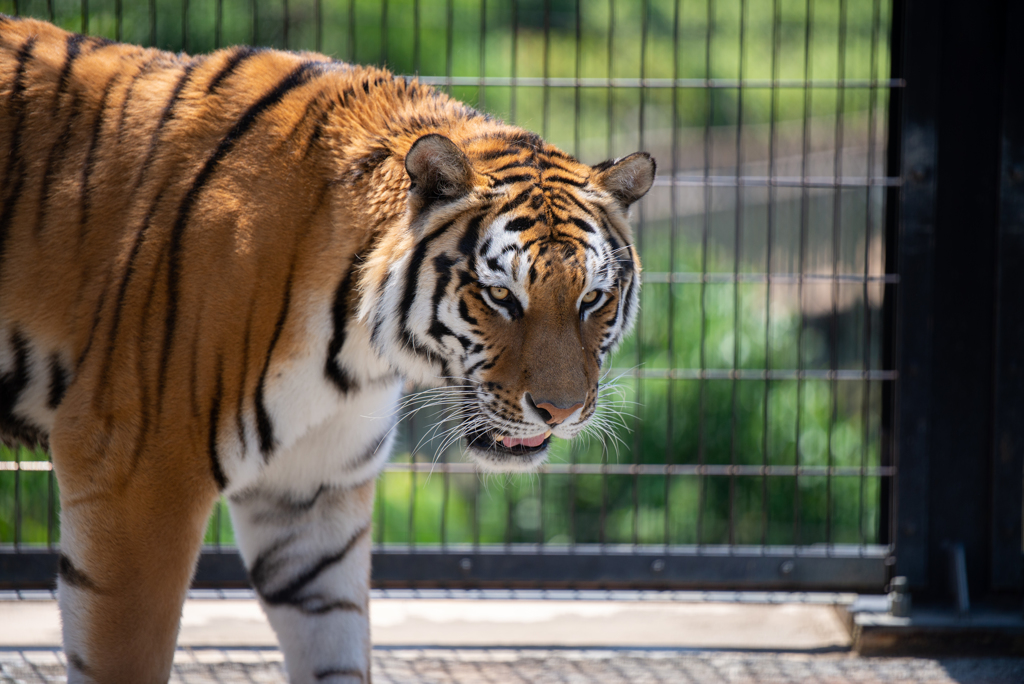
{"x": 590, "y": 297}
{"x": 499, "y": 293}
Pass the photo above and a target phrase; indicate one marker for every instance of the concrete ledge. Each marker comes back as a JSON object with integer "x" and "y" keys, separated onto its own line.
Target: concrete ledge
{"x": 934, "y": 631}
{"x": 497, "y": 623}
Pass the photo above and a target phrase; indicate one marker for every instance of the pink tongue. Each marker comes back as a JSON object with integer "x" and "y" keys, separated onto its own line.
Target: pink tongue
{"x": 529, "y": 441}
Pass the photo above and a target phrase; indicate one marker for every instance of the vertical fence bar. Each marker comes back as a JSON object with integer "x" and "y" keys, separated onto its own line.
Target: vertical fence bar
{"x": 216, "y": 523}
{"x": 705, "y": 231}
{"x": 286, "y": 24}
{"x": 577, "y": 106}
{"x": 515, "y": 61}
{"x": 639, "y": 241}
{"x": 118, "y": 17}
{"x": 512, "y": 111}
{"x": 380, "y": 525}
{"x": 351, "y": 30}
{"x": 865, "y": 293}
{"x": 546, "y": 68}
{"x": 804, "y": 221}
{"x": 51, "y": 502}
{"x": 414, "y": 448}
{"x": 416, "y": 36}
{"x": 482, "y": 90}
{"x": 318, "y": 20}
{"x": 449, "y": 44}
{"x": 769, "y": 228}
{"x": 448, "y": 66}
{"x": 17, "y": 497}
{"x": 737, "y": 256}
{"x": 837, "y": 236}
{"x": 610, "y": 154}
{"x": 218, "y": 25}
{"x": 545, "y": 130}
{"x": 672, "y": 235}
{"x": 384, "y": 33}
{"x": 576, "y": 74}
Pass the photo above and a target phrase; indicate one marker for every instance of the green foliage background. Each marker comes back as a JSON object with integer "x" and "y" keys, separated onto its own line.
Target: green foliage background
{"x": 680, "y": 229}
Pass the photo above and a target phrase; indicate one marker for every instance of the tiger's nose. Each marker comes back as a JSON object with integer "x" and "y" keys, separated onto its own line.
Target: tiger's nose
{"x": 551, "y": 413}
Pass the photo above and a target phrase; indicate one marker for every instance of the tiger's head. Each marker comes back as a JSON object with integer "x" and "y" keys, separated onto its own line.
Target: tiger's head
{"x": 516, "y": 280}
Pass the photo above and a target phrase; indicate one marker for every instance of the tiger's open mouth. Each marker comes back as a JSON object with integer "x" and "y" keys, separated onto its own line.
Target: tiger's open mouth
{"x": 498, "y": 445}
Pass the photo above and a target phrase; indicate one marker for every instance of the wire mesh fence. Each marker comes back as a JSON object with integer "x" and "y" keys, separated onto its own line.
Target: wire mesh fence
{"x": 754, "y": 390}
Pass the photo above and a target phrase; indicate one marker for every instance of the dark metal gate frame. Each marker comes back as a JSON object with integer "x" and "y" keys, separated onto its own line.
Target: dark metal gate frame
{"x": 959, "y": 412}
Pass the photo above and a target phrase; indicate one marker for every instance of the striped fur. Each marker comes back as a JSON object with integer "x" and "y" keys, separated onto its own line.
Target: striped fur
{"x": 216, "y": 274}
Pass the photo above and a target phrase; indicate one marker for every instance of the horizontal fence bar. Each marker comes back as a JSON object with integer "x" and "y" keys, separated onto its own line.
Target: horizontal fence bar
{"x": 762, "y": 278}
{"x": 26, "y": 465}
{"x": 658, "y": 469}
{"x": 749, "y": 374}
{"x": 554, "y": 82}
{"x": 600, "y": 469}
{"x": 817, "y": 568}
{"x": 827, "y": 182}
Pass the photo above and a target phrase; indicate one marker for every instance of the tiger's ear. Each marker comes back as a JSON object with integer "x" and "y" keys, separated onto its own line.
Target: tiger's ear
{"x": 627, "y": 179}
{"x": 438, "y": 170}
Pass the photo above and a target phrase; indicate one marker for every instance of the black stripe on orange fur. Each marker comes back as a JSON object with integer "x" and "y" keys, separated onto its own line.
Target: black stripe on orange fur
{"x": 143, "y": 69}
{"x": 264, "y": 427}
{"x": 73, "y": 47}
{"x": 341, "y": 378}
{"x": 90, "y": 155}
{"x": 299, "y": 76}
{"x": 218, "y": 472}
{"x": 58, "y": 382}
{"x": 166, "y": 115}
{"x": 15, "y": 163}
{"x": 54, "y": 161}
{"x": 240, "y": 408}
{"x": 236, "y": 60}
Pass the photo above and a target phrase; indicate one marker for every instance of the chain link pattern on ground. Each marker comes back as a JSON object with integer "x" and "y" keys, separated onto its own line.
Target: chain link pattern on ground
{"x": 563, "y": 666}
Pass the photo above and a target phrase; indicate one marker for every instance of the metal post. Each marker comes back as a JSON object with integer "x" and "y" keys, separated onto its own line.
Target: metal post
{"x": 913, "y": 157}
{"x": 1008, "y": 430}
{"x": 953, "y": 58}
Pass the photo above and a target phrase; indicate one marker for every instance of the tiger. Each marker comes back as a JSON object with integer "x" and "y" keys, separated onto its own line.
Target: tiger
{"x": 218, "y": 273}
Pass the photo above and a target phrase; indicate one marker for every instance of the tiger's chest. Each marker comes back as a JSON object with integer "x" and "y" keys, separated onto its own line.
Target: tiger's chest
{"x": 324, "y": 434}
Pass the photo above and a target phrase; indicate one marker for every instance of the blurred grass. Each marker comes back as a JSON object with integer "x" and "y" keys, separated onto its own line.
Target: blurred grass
{"x": 682, "y": 421}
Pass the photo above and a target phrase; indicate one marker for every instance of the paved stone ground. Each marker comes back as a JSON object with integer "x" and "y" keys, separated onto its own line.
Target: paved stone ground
{"x": 565, "y": 666}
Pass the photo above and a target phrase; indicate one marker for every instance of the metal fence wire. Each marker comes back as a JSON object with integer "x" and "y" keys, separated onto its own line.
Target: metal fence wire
{"x": 750, "y": 447}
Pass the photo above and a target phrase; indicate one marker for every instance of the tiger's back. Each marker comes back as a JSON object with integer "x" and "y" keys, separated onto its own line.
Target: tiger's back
{"x": 111, "y": 150}
{"x": 216, "y": 274}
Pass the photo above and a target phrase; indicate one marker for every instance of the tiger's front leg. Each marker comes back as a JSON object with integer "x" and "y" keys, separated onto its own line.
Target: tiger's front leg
{"x": 308, "y": 556}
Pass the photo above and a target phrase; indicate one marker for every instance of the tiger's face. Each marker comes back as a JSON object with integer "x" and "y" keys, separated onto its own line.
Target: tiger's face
{"x": 520, "y": 280}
